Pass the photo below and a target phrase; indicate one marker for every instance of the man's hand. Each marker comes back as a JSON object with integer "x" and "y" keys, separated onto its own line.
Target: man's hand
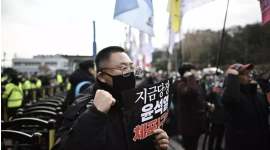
{"x": 187, "y": 74}
{"x": 103, "y": 101}
{"x": 232, "y": 71}
{"x": 211, "y": 107}
{"x": 162, "y": 139}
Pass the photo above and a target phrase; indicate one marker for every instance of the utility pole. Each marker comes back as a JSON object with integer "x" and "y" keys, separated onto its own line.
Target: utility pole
{"x": 3, "y": 60}
{"x": 94, "y": 42}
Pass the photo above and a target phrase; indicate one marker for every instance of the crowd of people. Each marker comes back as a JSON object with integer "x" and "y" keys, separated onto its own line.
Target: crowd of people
{"x": 15, "y": 87}
{"x": 233, "y": 105}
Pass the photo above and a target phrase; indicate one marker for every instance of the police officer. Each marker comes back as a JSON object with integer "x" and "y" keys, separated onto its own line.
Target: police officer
{"x": 35, "y": 82}
{"x": 13, "y": 94}
{"x": 4, "y": 79}
{"x": 59, "y": 78}
{"x": 26, "y": 84}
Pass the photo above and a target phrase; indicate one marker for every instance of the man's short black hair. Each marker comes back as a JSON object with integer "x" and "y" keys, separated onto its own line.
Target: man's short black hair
{"x": 185, "y": 67}
{"x": 86, "y": 64}
{"x": 103, "y": 57}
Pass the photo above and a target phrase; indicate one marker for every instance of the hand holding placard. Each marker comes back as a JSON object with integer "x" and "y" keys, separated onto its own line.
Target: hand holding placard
{"x": 162, "y": 139}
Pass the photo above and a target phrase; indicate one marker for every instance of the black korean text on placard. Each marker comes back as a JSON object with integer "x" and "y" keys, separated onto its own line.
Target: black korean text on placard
{"x": 146, "y": 109}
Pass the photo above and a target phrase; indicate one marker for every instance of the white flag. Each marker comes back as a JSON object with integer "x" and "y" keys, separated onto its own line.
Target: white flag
{"x": 148, "y": 50}
{"x": 134, "y": 51}
{"x": 187, "y": 5}
{"x": 136, "y": 13}
{"x": 171, "y": 36}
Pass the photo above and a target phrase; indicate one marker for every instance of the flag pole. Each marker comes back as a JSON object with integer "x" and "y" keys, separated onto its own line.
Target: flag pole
{"x": 222, "y": 37}
{"x": 168, "y": 55}
{"x": 218, "y": 59}
{"x": 94, "y": 42}
{"x": 180, "y": 48}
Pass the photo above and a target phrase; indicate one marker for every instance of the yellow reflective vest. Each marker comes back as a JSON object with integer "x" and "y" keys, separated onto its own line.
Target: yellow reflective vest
{"x": 68, "y": 86}
{"x": 59, "y": 79}
{"x": 26, "y": 86}
{"x": 38, "y": 84}
{"x": 13, "y": 94}
{"x": 4, "y": 78}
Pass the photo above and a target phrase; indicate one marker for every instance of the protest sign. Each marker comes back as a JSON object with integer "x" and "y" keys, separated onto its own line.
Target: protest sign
{"x": 219, "y": 81}
{"x": 146, "y": 109}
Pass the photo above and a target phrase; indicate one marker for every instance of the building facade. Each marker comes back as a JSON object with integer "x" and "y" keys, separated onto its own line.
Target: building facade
{"x": 53, "y": 63}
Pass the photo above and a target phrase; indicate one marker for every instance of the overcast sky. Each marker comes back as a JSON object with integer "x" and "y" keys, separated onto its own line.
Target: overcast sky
{"x": 31, "y": 27}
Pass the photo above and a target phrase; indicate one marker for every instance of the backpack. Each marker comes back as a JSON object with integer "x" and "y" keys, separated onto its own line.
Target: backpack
{"x": 78, "y": 87}
{"x": 69, "y": 95}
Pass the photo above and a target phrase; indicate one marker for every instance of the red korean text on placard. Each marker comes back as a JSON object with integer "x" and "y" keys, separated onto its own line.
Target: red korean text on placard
{"x": 147, "y": 129}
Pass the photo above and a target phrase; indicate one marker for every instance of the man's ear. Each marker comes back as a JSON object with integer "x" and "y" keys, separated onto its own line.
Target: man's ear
{"x": 100, "y": 77}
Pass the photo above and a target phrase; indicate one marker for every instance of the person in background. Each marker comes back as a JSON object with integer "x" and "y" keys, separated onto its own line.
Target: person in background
{"x": 218, "y": 116}
{"x": 148, "y": 80}
{"x": 13, "y": 95}
{"x": 264, "y": 81}
{"x": 81, "y": 79}
{"x": 68, "y": 87}
{"x": 247, "y": 111}
{"x": 59, "y": 78}
{"x": 204, "y": 85}
{"x": 192, "y": 108}
{"x": 171, "y": 126}
{"x": 46, "y": 80}
{"x": 4, "y": 79}
{"x": 35, "y": 82}
{"x": 26, "y": 85}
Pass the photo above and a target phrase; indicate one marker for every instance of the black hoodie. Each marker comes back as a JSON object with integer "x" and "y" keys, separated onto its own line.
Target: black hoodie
{"x": 75, "y": 78}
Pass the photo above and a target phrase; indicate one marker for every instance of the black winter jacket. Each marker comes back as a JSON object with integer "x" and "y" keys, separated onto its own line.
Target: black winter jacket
{"x": 75, "y": 78}
{"x": 92, "y": 129}
{"x": 247, "y": 116}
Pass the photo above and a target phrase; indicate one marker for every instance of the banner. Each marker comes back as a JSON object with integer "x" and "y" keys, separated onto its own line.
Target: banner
{"x": 146, "y": 109}
{"x": 219, "y": 81}
{"x": 148, "y": 50}
{"x": 265, "y": 8}
{"x": 177, "y": 10}
{"x": 136, "y": 13}
{"x": 174, "y": 11}
{"x": 187, "y": 5}
{"x": 134, "y": 51}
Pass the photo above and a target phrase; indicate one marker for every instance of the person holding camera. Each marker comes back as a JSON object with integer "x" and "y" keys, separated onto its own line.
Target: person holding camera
{"x": 246, "y": 109}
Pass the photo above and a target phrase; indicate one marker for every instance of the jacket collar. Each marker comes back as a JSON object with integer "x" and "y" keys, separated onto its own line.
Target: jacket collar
{"x": 248, "y": 88}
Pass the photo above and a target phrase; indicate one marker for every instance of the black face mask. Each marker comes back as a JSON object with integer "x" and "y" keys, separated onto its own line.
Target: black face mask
{"x": 121, "y": 83}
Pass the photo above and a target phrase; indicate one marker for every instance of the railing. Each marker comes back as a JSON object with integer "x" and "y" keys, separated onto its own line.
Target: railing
{"x": 32, "y": 95}
{"x": 43, "y": 92}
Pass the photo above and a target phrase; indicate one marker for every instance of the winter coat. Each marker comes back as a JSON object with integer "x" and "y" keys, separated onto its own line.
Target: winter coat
{"x": 218, "y": 116}
{"x": 86, "y": 128}
{"x": 247, "y": 116}
{"x": 75, "y": 78}
{"x": 264, "y": 83}
{"x": 191, "y": 108}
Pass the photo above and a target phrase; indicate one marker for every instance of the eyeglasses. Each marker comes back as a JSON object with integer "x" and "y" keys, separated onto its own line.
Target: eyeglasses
{"x": 248, "y": 72}
{"x": 127, "y": 70}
